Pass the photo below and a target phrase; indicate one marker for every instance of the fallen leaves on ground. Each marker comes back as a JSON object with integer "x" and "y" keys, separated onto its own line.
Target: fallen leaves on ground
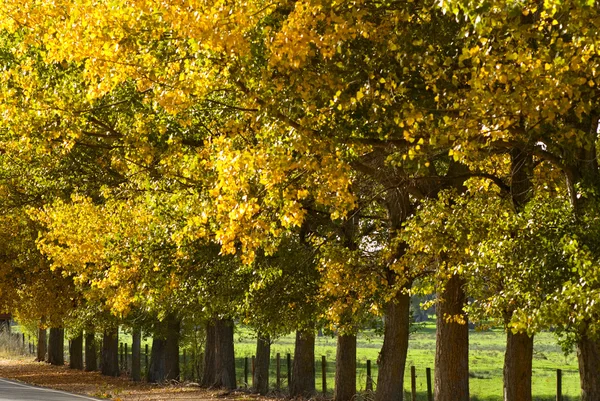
{"x": 115, "y": 388}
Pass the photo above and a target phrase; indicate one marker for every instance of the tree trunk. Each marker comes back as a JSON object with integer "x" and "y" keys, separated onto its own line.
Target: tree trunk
{"x": 157, "y": 369}
{"x": 56, "y": 346}
{"x": 76, "y": 353}
{"x": 517, "y": 367}
{"x": 519, "y": 347}
{"x": 345, "y": 368}
{"x": 224, "y": 355}
{"x": 91, "y": 359}
{"x": 392, "y": 358}
{"x": 208, "y": 373}
{"x": 42, "y": 345}
{"x": 452, "y": 344}
{"x": 261, "y": 367}
{"x": 173, "y": 328}
{"x": 136, "y": 356}
{"x": 588, "y": 355}
{"x": 110, "y": 353}
{"x": 164, "y": 358}
{"x": 303, "y": 369}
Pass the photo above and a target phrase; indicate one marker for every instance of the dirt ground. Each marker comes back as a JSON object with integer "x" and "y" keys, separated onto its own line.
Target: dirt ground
{"x": 115, "y": 388}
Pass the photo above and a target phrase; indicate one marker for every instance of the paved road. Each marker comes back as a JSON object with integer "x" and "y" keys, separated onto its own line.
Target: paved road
{"x": 13, "y": 391}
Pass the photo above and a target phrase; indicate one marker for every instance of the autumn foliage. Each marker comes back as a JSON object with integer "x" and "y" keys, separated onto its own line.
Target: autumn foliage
{"x": 294, "y": 164}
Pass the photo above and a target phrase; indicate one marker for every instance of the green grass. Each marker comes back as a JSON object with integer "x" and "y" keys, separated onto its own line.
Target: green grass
{"x": 485, "y": 361}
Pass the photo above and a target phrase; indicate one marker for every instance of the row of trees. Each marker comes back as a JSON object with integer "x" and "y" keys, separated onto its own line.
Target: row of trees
{"x": 301, "y": 164}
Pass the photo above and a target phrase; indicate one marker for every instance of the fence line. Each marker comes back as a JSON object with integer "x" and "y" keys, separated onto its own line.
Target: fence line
{"x": 18, "y": 343}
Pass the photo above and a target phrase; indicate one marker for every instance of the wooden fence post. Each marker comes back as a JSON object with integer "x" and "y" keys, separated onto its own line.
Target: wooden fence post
{"x": 429, "y": 392}
{"x": 413, "y": 382}
{"x": 278, "y": 378}
{"x": 369, "y": 377}
{"x": 146, "y": 359}
{"x": 246, "y": 371}
{"x": 559, "y": 396}
{"x": 121, "y": 349}
{"x": 126, "y": 356}
{"x": 324, "y": 374}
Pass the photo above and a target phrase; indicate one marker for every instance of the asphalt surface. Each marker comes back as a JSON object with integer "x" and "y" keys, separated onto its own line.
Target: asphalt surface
{"x": 14, "y": 391}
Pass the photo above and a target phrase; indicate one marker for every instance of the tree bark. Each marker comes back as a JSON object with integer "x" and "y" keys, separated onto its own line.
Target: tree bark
{"x": 588, "y": 356}
{"x": 136, "y": 356}
{"x": 517, "y": 367}
{"x": 261, "y": 367}
{"x": 42, "y": 346}
{"x": 110, "y": 353}
{"x": 392, "y": 358}
{"x": 91, "y": 359}
{"x": 56, "y": 346}
{"x": 303, "y": 367}
{"x": 164, "y": 359}
{"x": 519, "y": 347}
{"x": 173, "y": 328}
{"x": 157, "y": 370}
{"x": 208, "y": 373}
{"x": 224, "y": 355}
{"x": 345, "y": 368}
{"x": 452, "y": 344}
{"x": 76, "y": 353}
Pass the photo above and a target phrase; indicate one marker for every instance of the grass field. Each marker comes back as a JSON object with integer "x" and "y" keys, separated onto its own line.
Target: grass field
{"x": 486, "y": 360}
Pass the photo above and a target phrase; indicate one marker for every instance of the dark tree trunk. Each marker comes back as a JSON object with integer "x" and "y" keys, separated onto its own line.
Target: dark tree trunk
{"x": 164, "y": 360}
{"x": 173, "y": 327}
{"x": 76, "y": 353}
{"x": 517, "y": 367}
{"x": 110, "y": 353}
{"x": 303, "y": 367}
{"x": 392, "y": 358}
{"x": 208, "y": 373}
{"x": 91, "y": 358}
{"x": 261, "y": 367}
{"x": 42, "y": 346}
{"x": 136, "y": 356}
{"x": 588, "y": 355}
{"x": 345, "y": 368}
{"x": 519, "y": 347}
{"x": 56, "y": 346}
{"x": 157, "y": 369}
{"x": 452, "y": 344}
{"x": 224, "y": 355}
